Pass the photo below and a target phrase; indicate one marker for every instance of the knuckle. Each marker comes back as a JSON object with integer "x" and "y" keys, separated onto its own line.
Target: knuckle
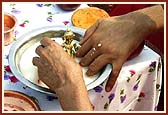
{"x": 101, "y": 20}
{"x": 111, "y": 50}
{"x": 92, "y": 40}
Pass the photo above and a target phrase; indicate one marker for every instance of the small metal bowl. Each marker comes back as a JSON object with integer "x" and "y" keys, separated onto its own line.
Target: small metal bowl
{"x": 10, "y": 22}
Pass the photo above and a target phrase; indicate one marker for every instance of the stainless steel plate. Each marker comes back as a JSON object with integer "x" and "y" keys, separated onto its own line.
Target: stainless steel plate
{"x": 23, "y": 50}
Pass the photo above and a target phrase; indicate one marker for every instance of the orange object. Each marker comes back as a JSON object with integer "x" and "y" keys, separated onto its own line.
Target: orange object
{"x": 16, "y": 101}
{"x": 86, "y": 17}
{"x": 9, "y": 26}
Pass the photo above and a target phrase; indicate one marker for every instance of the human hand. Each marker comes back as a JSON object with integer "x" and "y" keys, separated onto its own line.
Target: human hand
{"x": 111, "y": 40}
{"x": 63, "y": 75}
{"x": 55, "y": 67}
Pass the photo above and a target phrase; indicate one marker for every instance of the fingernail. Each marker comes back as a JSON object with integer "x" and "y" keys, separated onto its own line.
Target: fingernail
{"x": 81, "y": 41}
{"x": 42, "y": 46}
{"x": 89, "y": 73}
{"x": 108, "y": 88}
{"x": 82, "y": 63}
{"x": 77, "y": 54}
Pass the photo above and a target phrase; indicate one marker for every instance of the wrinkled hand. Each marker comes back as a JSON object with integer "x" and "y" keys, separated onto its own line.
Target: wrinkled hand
{"x": 109, "y": 41}
{"x": 55, "y": 67}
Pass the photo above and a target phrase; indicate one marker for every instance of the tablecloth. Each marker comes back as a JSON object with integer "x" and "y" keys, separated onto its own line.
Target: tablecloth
{"x": 136, "y": 89}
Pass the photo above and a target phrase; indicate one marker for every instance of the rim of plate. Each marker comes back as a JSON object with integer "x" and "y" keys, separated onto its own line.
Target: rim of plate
{"x": 25, "y": 37}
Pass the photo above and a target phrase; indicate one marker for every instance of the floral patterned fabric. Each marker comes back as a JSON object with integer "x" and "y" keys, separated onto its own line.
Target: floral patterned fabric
{"x": 136, "y": 89}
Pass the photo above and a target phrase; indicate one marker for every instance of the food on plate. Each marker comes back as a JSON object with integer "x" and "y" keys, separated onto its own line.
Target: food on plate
{"x": 86, "y": 17}
{"x": 69, "y": 46}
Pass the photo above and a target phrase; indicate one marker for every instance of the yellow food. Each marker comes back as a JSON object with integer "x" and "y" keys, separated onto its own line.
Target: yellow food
{"x": 86, "y": 17}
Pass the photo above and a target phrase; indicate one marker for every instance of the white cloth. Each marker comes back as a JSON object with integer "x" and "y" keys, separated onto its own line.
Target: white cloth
{"x": 137, "y": 87}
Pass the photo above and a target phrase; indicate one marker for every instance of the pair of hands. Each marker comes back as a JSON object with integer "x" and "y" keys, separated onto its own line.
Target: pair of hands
{"x": 108, "y": 41}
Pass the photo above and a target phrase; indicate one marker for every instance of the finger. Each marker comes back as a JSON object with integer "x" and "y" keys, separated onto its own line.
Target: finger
{"x": 44, "y": 55}
{"x": 41, "y": 68}
{"x": 116, "y": 67}
{"x": 89, "y": 32}
{"x": 40, "y": 63}
{"x": 89, "y": 57}
{"x": 98, "y": 64}
{"x": 43, "y": 52}
{"x": 46, "y": 41}
{"x": 84, "y": 49}
{"x": 39, "y": 49}
{"x": 36, "y": 62}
